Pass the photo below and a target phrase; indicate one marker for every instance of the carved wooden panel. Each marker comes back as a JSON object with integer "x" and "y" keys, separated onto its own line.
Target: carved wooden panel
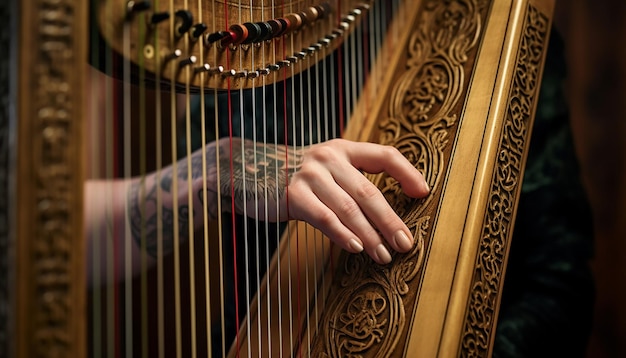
{"x": 374, "y": 304}
{"x": 488, "y": 280}
{"x": 460, "y": 105}
{"x": 49, "y": 288}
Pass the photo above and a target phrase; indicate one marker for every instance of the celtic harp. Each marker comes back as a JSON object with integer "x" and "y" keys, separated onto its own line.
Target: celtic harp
{"x": 174, "y": 124}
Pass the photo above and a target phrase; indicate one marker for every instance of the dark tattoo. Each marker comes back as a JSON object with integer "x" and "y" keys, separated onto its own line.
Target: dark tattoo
{"x": 144, "y": 219}
{"x": 259, "y": 171}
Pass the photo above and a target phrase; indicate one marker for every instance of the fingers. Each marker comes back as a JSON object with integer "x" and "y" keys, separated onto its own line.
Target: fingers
{"x": 346, "y": 206}
{"x": 376, "y": 209}
{"x": 352, "y": 217}
{"x": 304, "y": 205}
{"x": 374, "y": 158}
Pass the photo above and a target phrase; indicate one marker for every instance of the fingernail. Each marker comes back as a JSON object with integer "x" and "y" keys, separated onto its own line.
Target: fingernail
{"x": 426, "y": 186}
{"x": 402, "y": 241}
{"x": 384, "y": 257}
{"x": 355, "y": 245}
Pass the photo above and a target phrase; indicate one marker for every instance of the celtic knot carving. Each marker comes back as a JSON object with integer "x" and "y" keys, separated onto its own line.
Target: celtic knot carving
{"x": 368, "y": 311}
{"x": 421, "y": 110}
{"x": 481, "y": 314}
{"x": 363, "y": 323}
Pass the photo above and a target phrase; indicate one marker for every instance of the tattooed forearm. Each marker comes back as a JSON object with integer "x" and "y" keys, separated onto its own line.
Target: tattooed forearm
{"x": 258, "y": 171}
{"x": 148, "y": 225}
{"x": 253, "y": 172}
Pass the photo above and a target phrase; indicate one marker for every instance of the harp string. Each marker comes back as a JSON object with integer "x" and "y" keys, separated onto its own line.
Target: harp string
{"x": 127, "y": 167}
{"x": 275, "y": 54}
{"x": 256, "y": 180}
{"x": 115, "y": 267}
{"x": 95, "y": 171}
{"x": 312, "y": 138}
{"x": 319, "y": 117}
{"x": 143, "y": 173}
{"x": 175, "y": 198}
{"x": 302, "y": 119}
{"x": 290, "y": 117}
{"x": 106, "y": 251}
{"x": 205, "y": 211}
{"x": 96, "y": 263}
{"x": 267, "y": 236}
{"x": 255, "y": 189}
{"x": 112, "y": 246}
{"x": 190, "y": 203}
{"x": 232, "y": 186}
{"x": 158, "y": 150}
{"x": 244, "y": 171}
{"x": 220, "y": 225}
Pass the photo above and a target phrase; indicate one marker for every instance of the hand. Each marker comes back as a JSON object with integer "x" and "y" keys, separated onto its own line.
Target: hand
{"x": 327, "y": 189}
{"x": 321, "y": 184}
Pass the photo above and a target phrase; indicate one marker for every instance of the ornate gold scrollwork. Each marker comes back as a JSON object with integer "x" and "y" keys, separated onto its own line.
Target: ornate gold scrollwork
{"x": 368, "y": 316}
{"x": 489, "y": 268}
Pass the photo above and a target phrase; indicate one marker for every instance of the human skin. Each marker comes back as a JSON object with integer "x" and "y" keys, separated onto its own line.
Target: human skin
{"x": 322, "y": 184}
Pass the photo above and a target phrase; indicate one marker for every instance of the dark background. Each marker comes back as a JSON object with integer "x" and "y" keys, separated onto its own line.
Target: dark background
{"x": 595, "y": 35}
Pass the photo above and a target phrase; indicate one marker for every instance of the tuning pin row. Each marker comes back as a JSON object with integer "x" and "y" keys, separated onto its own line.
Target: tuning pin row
{"x": 248, "y": 33}
{"x": 256, "y": 32}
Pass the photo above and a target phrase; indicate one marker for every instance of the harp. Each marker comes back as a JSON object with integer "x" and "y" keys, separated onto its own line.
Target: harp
{"x": 454, "y": 89}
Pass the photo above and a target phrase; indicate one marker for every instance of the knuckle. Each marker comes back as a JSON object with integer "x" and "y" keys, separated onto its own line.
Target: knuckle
{"x": 324, "y": 218}
{"x": 391, "y": 152}
{"x": 296, "y": 193}
{"x": 322, "y": 153}
{"x": 395, "y": 156}
{"x": 308, "y": 175}
{"x": 336, "y": 141}
{"x": 349, "y": 208}
{"x": 366, "y": 191}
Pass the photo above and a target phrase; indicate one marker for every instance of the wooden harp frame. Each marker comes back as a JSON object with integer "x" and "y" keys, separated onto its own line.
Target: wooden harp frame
{"x": 474, "y": 121}
{"x": 444, "y": 298}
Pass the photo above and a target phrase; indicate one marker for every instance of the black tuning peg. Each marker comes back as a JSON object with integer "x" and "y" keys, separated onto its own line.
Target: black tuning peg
{"x": 159, "y": 17}
{"x": 184, "y": 21}
{"x": 197, "y": 30}
{"x": 133, "y": 7}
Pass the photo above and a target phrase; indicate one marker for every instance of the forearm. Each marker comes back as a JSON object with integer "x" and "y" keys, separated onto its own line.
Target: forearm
{"x": 150, "y": 214}
{"x": 144, "y": 217}
{"x": 105, "y": 229}
{"x": 167, "y": 204}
